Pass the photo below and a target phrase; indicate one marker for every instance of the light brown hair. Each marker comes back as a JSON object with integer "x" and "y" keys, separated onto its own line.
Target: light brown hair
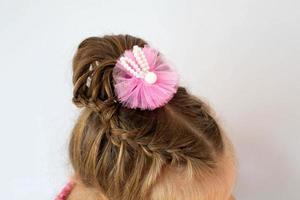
{"x": 123, "y": 152}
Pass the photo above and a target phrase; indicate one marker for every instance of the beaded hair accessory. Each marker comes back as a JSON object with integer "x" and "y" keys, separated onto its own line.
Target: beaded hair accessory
{"x": 143, "y": 79}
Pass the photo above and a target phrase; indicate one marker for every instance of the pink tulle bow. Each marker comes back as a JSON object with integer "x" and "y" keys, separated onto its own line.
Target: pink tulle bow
{"x": 143, "y": 79}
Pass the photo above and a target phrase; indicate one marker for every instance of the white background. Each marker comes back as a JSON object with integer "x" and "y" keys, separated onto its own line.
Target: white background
{"x": 243, "y": 56}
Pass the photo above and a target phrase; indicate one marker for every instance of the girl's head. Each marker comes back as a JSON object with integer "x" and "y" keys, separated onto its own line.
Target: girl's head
{"x": 177, "y": 151}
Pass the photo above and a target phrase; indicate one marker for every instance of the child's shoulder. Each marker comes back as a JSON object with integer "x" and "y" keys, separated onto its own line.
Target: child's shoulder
{"x": 76, "y": 190}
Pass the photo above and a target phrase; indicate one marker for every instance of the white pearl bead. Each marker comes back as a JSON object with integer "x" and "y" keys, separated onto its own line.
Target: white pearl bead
{"x": 150, "y": 77}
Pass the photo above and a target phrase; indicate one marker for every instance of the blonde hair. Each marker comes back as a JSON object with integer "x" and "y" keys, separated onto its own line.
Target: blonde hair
{"x": 123, "y": 152}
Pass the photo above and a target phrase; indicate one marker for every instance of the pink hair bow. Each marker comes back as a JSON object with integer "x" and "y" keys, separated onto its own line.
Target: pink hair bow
{"x": 143, "y": 79}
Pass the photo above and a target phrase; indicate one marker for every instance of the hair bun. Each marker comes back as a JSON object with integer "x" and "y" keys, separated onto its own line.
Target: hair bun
{"x": 93, "y": 65}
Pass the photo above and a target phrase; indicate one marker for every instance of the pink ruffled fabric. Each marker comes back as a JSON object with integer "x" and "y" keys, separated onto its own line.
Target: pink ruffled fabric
{"x": 135, "y": 92}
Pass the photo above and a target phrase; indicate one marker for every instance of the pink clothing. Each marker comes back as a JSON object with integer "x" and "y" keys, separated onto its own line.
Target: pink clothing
{"x": 63, "y": 195}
